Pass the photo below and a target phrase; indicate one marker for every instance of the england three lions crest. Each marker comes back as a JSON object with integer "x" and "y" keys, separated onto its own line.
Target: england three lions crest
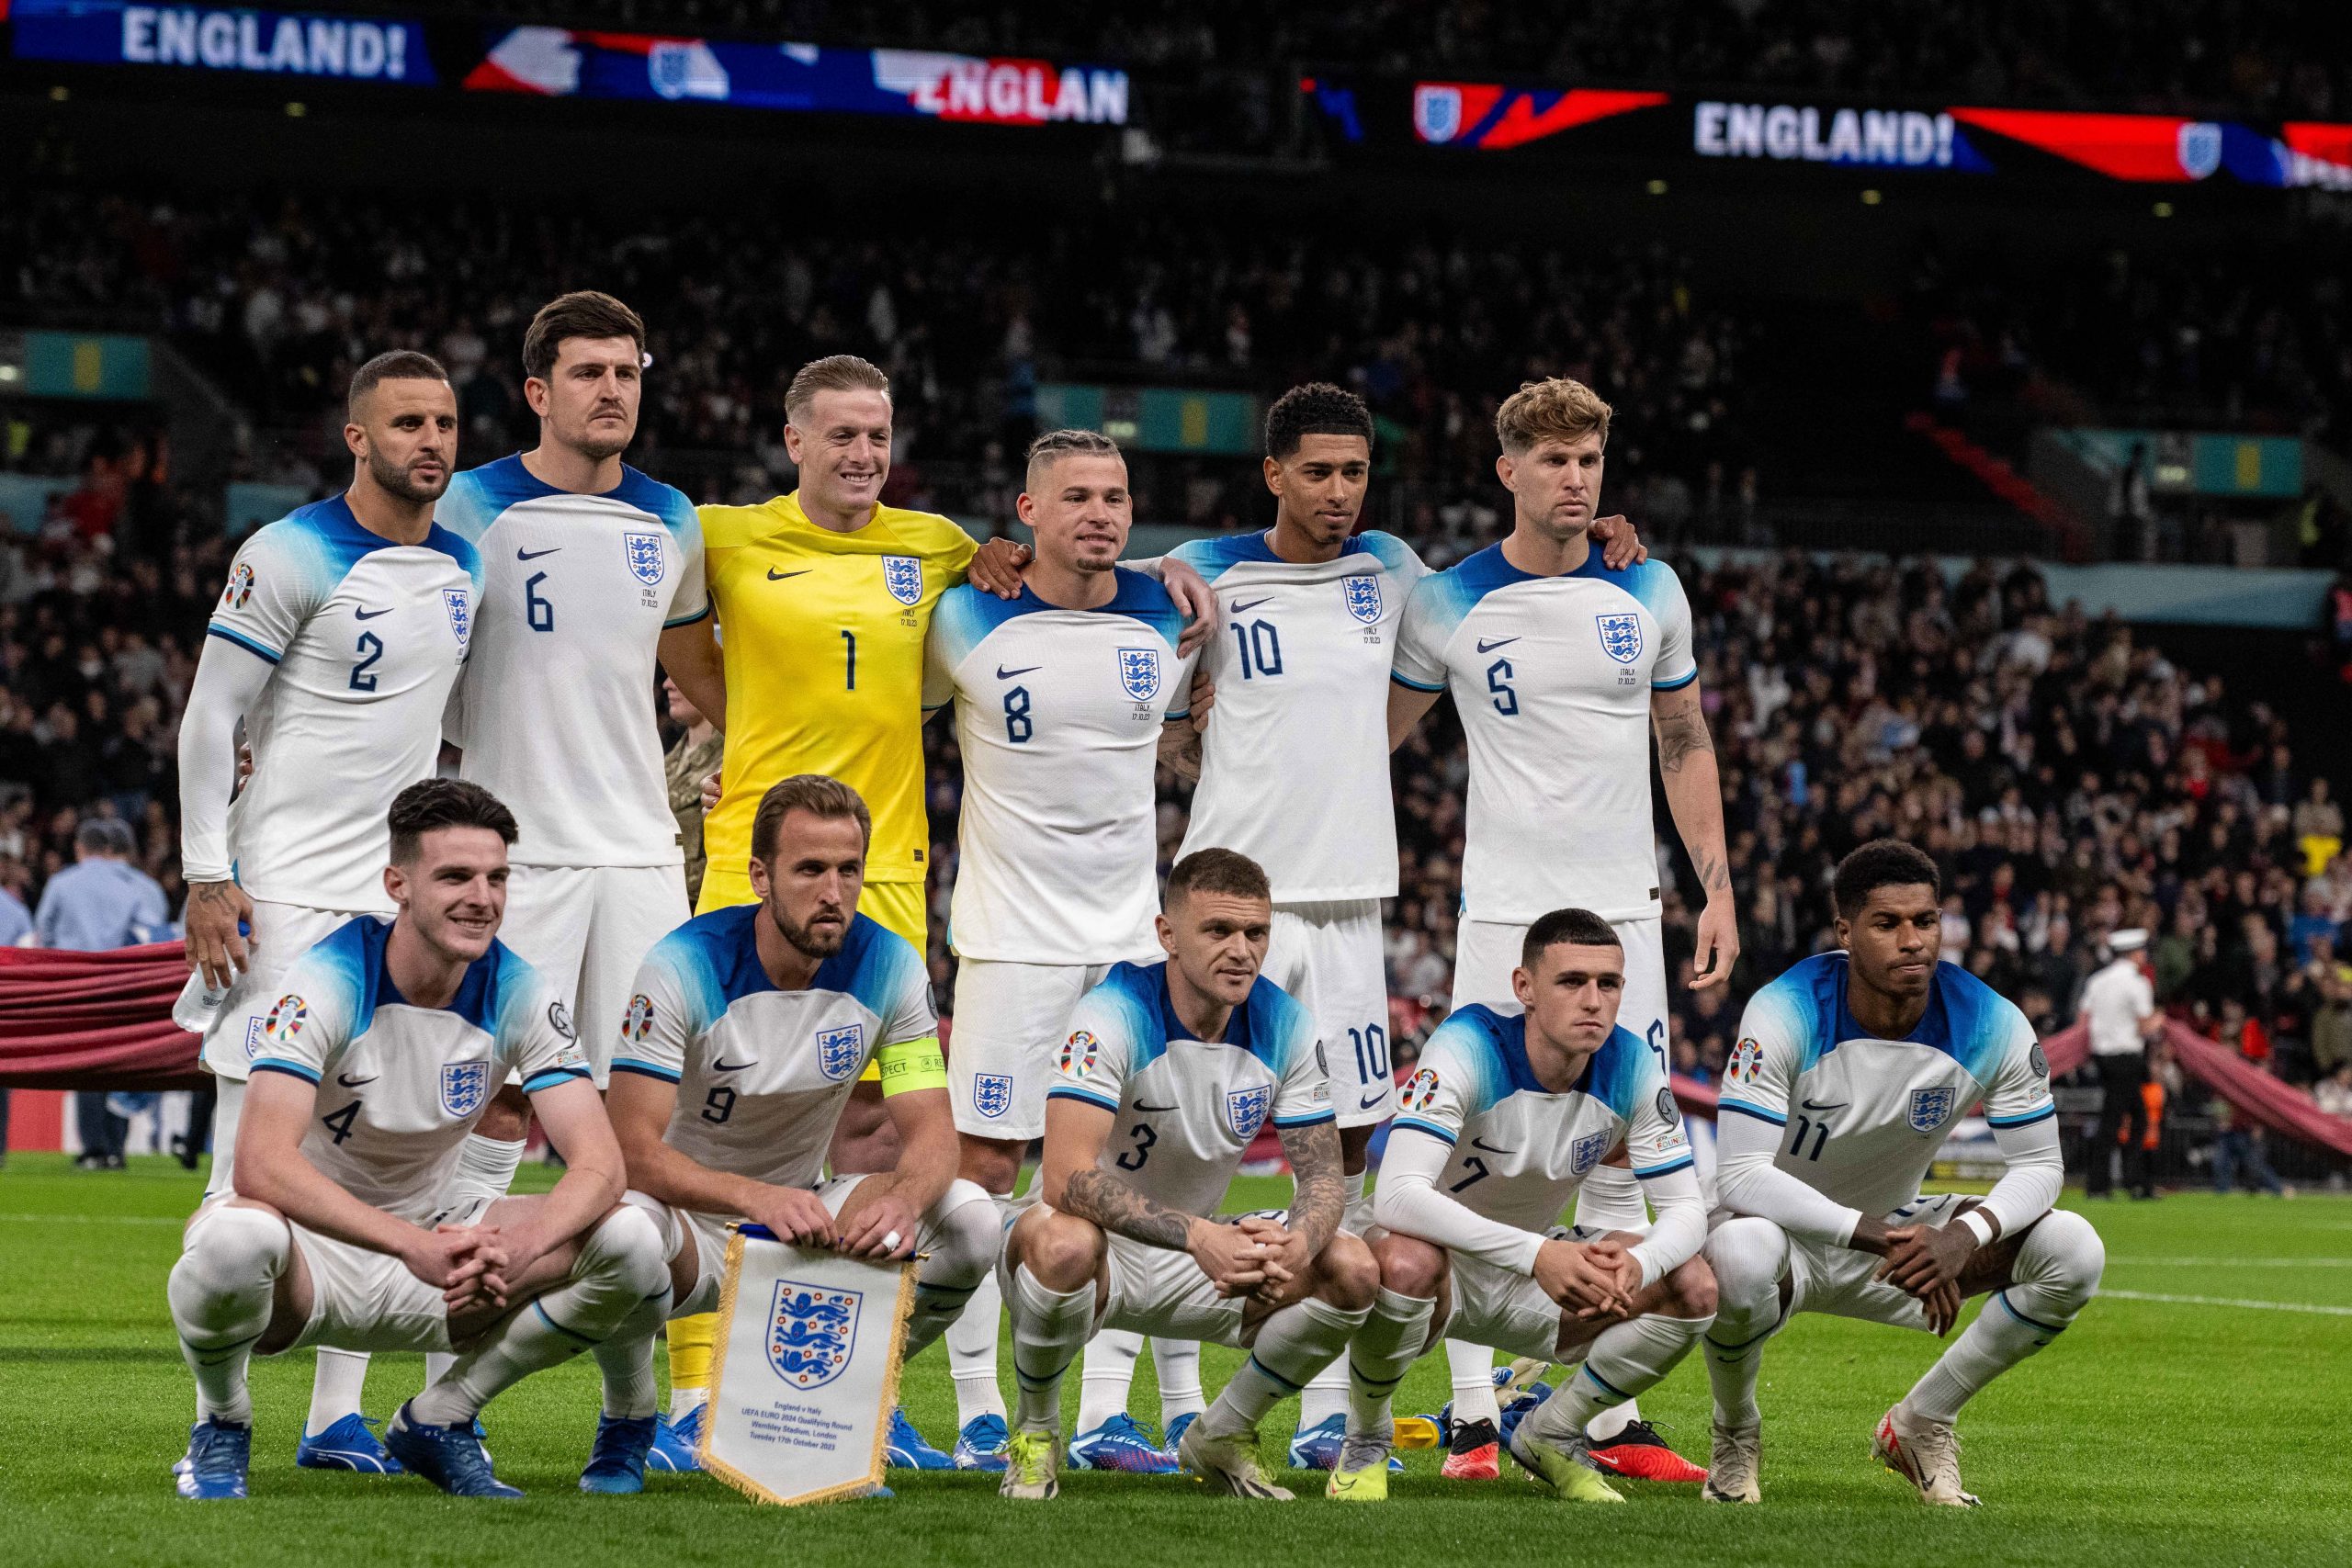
{"x": 1586, "y": 1152}
{"x": 993, "y": 1094}
{"x": 1362, "y": 595}
{"x": 461, "y": 615}
{"x": 1931, "y": 1108}
{"x": 841, "y": 1051}
{"x": 1246, "y": 1108}
{"x": 464, "y": 1086}
{"x": 646, "y": 562}
{"x": 1139, "y": 673}
{"x": 811, "y": 1331}
{"x": 1621, "y": 636}
{"x": 902, "y": 575}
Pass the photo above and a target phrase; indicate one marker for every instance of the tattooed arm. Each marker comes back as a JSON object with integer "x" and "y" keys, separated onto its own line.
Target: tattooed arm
{"x": 1232, "y": 1255}
{"x": 1686, "y": 759}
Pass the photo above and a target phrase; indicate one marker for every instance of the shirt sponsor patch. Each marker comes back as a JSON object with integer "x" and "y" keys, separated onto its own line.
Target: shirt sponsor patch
{"x": 1420, "y": 1089}
{"x": 638, "y": 1022}
{"x": 240, "y": 589}
{"x": 1079, "y": 1052}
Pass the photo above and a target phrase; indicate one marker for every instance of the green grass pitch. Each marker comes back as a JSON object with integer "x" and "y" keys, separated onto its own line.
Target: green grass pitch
{"x": 2159, "y": 1430}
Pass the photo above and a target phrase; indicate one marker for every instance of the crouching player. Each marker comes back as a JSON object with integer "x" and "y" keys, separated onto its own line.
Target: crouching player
{"x": 1506, "y": 1117}
{"x": 374, "y": 1066}
{"x": 749, "y": 1029}
{"x": 1169, "y": 1072}
{"x": 1850, "y": 1071}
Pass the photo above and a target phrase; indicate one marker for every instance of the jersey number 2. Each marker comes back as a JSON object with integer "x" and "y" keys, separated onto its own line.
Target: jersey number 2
{"x": 373, "y": 647}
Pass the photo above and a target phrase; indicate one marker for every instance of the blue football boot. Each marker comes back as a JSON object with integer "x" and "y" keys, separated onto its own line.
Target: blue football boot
{"x": 450, "y": 1457}
{"x": 219, "y": 1453}
{"x": 1119, "y": 1444}
{"x": 350, "y": 1444}
{"x": 617, "y": 1464}
{"x": 677, "y": 1445}
{"x": 980, "y": 1445}
{"x": 1318, "y": 1446}
{"x": 905, "y": 1449}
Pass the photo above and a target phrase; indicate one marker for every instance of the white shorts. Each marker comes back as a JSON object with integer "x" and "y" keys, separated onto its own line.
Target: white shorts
{"x": 587, "y": 929}
{"x": 710, "y": 1232}
{"x": 364, "y": 1300}
{"x": 1328, "y": 955}
{"x": 1009, "y": 1021}
{"x": 1505, "y": 1309}
{"x": 227, "y": 1110}
{"x": 1486, "y": 952}
{"x": 279, "y": 934}
{"x": 1838, "y": 1281}
{"x": 1156, "y": 1291}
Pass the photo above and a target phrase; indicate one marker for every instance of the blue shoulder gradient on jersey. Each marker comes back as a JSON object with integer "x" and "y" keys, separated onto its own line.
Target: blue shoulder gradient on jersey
{"x": 713, "y": 959}
{"x": 1130, "y": 1000}
{"x": 1280, "y": 1031}
{"x": 510, "y": 1001}
{"x": 1444, "y": 599}
{"x": 1215, "y": 556}
{"x": 1984, "y": 1026}
{"x": 1654, "y": 584}
{"x": 677, "y": 513}
{"x": 1627, "y": 1074}
{"x": 965, "y": 618}
{"x": 877, "y": 966}
{"x": 334, "y": 973}
{"x": 1801, "y": 1005}
{"x": 319, "y": 543}
{"x": 1470, "y": 1043}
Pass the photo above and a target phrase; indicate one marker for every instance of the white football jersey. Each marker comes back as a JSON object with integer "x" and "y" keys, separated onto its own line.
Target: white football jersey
{"x": 1553, "y": 677}
{"x": 1864, "y": 1116}
{"x": 399, "y": 1086}
{"x": 556, "y": 716}
{"x": 762, "y": 1073}
{"x": 367, "y": 636}
{"x": 1187, "y": 1109}
{"x": 1521, "y": 1151}
{"x": 1294, "y": 760}
{"x": 1058, "y": 714}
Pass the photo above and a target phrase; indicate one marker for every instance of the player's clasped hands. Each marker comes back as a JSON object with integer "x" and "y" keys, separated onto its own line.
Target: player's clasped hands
{"x": 1590, "y": 1278}
{"x": 466, "y": 1263}
{"x": 1237, "y": 1258}
{"x": 1926, "y": 1261}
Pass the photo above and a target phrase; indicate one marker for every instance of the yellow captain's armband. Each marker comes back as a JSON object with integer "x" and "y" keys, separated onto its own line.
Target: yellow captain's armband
{"x": 911, "y": 1064}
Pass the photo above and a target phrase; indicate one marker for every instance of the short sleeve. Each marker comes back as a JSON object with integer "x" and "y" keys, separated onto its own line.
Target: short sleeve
{"x": 1762, "y": 1067}
{"x": 274, "y": 586}
{"x": 1448, "y": 1088}
{"x": 1656, "y": 1141}
{"x": 691, "y": 602}
{"x": 2019, "y": 1095}
{"x": 1676, "y": 667}
{"x": 659, "y": 1025}
{"x": 1421, "y": 635}
{"x": 535, "y": 1034}
{"x": 909, "y": 1014}
{"x": 1303, "y": 1094}
{"x": 308, "y": 1022}
{"x": 1098, "y": 1053}
{"x": 1179, "y": 685}
{"x": 954, "y": 554}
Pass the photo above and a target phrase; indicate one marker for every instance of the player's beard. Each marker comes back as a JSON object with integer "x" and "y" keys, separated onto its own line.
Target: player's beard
{"x": 392, "y": 478}
{"x": 805, "y": 940}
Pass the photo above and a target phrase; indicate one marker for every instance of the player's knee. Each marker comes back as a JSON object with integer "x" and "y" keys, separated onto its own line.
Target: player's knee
{"x": 2064, "y": 1257}
{"x": 970, "y": 1236}
{"x": 1410, "y": 1266}
{"x": 626, "y": 1247}
{"x": 1349, "y": 1274}
{"x": 237, "y": 1245}
{"x": 1746, "y": 1257}
{"x": 1061, "y": 1251}
{"x": 1691, "y": 1290}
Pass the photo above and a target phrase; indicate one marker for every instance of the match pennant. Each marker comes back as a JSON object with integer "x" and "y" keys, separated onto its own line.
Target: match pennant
{"x": 805, "y": 1371}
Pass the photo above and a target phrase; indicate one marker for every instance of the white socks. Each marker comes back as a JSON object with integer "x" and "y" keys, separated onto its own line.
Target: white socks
{"x": 336, "y": 1387}
{"x": 1103, "y": 1390}
{"x": 1293, "y": 1346}
{"x": 2057, "y": 1272}
{"x": 1049, "y": 1328}
{"x": 1625, "y": 1360}
{"x": 220, "y": 1292}
{"x": 1177, "y": 1364}
{"x": 1327, "y": 1394}
{"x": 620, "y": 1274}
{"x": 1473, "y": 1367}
{"x": 1385, "y": 1348}
{"x": 972, "y": 1340}
{"x": 1749, "y": 1257}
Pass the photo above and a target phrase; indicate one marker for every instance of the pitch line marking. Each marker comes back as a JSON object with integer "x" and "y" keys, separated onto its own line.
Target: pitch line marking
{"x": 2229, "y": 1301}
{"x": 2231, "y": 1262}
{"x": 98, "y": 1219}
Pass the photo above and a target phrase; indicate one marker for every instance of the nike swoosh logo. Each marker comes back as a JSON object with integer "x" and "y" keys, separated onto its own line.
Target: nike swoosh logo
{"x": 1141, "y": 1106}
{"x": 534, "y": 555}
{"x": 347, "y": 1081}
{"x": 775, "y": 576}
{"x": 1482, "y": 1143}
{"x": 1371, "y": 1100}
{"x": 724, "y": 1066}
{"x": 1238, "y": 607}
{"x": 370, "y": 614}
{"x": 1486, "y": 647}
{"x": 1004, "y": 674}
{"x": 1841, "y": 1105}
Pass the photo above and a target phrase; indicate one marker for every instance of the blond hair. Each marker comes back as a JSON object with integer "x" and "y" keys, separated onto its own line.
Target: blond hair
{"x": 1556, "y": 410}
{"x": 834, "y": 373}
{"x": 1055, "y": 445}
{"x": 818, "y": 795}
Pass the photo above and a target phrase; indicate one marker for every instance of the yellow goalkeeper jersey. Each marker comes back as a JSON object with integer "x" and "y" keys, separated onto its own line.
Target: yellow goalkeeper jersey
{"x": 823, "y": 636}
